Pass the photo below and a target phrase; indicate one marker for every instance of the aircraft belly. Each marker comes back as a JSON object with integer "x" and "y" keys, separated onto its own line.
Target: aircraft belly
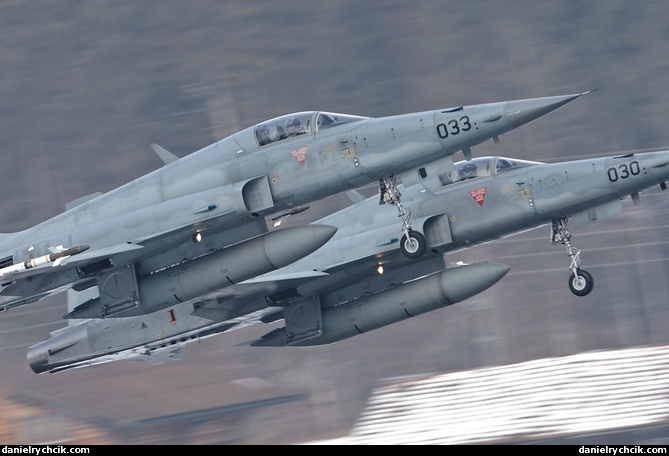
{"x": 597, "y": 213}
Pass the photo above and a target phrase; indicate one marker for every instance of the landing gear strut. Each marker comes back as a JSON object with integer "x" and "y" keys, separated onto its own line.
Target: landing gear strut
{"x": 413, "y": 243}
{"x": 580, "y": 281}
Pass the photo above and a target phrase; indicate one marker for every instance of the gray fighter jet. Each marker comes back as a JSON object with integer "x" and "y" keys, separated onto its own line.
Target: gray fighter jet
{"x": 198, "y": 223}
{"x": 363, "y": 279}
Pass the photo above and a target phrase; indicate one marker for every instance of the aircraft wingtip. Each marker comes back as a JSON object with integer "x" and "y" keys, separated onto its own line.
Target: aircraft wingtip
{"x": 165, "y": 155}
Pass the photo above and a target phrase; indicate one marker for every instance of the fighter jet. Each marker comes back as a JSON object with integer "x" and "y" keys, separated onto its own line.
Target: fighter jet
{"x": 479, "y": 201}
{"x": 362, "y": 279}
{"x": 198, "y": 224}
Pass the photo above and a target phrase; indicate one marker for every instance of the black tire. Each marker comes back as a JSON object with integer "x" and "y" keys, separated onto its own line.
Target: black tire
{"x": 414, "y": 246}
{"x": 582, "y": 283}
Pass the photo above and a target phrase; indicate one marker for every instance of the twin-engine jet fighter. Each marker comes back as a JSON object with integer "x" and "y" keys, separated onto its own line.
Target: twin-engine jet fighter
{"x": 198, "y": 223}
{"x": 479, "y": 201}
{"x": 361, "y": 279}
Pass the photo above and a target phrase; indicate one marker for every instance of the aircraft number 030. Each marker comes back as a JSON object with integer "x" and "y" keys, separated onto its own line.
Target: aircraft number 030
{"x": 453, "y": 127}
{"x": 623, "y": 171}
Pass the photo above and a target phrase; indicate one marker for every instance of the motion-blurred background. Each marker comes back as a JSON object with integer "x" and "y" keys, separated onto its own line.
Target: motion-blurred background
{"x": 86, "y": 87}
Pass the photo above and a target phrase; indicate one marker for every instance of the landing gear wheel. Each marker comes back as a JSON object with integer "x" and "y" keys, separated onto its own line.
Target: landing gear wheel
{"x": 414, "y": 245}
{"x": 581, "y": 283}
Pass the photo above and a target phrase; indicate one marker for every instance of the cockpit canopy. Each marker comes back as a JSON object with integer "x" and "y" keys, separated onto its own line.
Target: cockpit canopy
{"x": 298, "y": 124}
{"x": 482, "y": 166}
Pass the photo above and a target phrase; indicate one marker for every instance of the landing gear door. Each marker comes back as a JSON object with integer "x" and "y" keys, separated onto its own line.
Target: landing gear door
{"x": 118, "y": 290}
{"x": 304, "y": 320}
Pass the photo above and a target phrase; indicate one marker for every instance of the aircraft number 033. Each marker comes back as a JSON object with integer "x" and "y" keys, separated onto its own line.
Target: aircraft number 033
{"x": 453, "y": 127}
{"x": 623, "y": 171}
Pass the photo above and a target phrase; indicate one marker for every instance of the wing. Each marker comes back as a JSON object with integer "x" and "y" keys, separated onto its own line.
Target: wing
{"x": 160, "y": 337}
{"x": 273, "y": 295}
{"x": 27, "y": 282}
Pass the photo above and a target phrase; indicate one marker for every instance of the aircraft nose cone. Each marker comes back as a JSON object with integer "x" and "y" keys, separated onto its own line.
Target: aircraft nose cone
{"x": 496, "y": 271}
{"x": 463, "y": 282}
{"x": 285, "y": 246}
{"x": 520, "y": 112}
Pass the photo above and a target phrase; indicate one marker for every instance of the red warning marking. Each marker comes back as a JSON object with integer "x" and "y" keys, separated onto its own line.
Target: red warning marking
{"x": 300, "y": 154}
{"x": 479, "y": 195}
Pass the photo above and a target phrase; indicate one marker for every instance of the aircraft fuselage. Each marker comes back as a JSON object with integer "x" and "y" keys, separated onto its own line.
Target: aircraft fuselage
{"x": 503, "y": 202}
{"x": 224, "y": 191}
{"x": 494, "y": 198}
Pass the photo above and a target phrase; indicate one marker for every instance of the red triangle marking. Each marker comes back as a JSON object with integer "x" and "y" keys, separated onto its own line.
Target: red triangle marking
{"x": 479, "y": 195}
{"x": 300, "y": 154}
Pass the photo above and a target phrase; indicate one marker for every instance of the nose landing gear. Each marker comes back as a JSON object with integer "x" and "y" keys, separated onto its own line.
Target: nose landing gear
{"x": 413, "y": 243}
{"x": 580, "y": 281}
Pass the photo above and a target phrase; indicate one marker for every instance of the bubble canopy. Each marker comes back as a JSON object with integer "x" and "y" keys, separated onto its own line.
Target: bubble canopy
{"x": 297, "y": 124}
{"x": 481, "y": 167}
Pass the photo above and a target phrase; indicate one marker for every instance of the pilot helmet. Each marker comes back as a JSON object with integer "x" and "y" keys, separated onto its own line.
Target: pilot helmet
{"x": 469, "y": 169}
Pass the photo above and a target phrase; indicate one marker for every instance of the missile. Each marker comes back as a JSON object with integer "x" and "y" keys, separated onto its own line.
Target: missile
{"x": 390, "y": 306}
{"x": 293, "y": 211}
{"x": 209, "y": 273}
{"x": 296, "y": 210}
{"x": 56, "y": 258}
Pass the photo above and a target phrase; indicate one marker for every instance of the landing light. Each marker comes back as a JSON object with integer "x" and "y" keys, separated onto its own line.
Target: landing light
{"x": 379, "y": 269}
{"x": 197, "y": 237}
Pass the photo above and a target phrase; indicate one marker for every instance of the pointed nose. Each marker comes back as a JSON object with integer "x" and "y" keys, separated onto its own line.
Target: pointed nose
{"x": 520, "y": 112}
{"x": 496, "y": 271}
{"x": 288, "y": 245}
{"x": 463, "y": 282}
